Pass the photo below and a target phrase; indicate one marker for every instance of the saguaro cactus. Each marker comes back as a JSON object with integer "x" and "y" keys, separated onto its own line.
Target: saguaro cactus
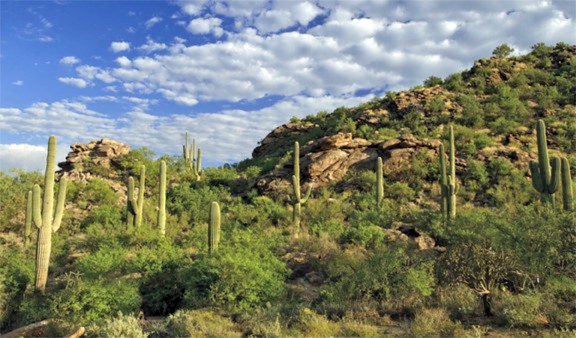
{"x": 379, "y": 182}
{"x": 28, "y": 221}
{"x": 298, "y": 199}
{"x": 545, "y": 179}
{"x": 567, "y": 190}
{"x": 214, "y": 227}
{"x": 44, "y": 217}
{"x": 192, "y": 161}
{"x": 135, "y": 208}
{"x": 448, "y": 183}
{"x": 162, "y": 199}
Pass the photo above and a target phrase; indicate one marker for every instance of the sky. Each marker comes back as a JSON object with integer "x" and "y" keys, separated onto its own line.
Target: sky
{"x": 145, "y": 72}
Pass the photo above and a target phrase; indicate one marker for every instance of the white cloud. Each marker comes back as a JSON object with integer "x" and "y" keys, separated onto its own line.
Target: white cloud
{"x": 18, "y": 83}
{"x": 119, "y": 46}
{"x": 152, "y": 21}
{"x": 69, "y": 60}
{"x": 26, "y": 157}
{"x": 152, "y": 46}
{"x": 74, "y": 81}
{"x": 205, "y": 26}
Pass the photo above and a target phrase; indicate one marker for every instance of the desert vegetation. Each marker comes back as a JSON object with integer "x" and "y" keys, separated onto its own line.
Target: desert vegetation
{"x": 443, "y": 210}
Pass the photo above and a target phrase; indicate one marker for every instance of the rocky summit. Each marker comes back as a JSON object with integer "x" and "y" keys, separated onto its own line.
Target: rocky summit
{"x": 84, "y": 157}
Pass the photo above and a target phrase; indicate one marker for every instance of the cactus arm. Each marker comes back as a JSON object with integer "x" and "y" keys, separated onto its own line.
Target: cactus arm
{"x": 60, "y": 204}
{"x": 296, "y": 187}
{"x": 307, "y": 195}
{"x": 554, "y": 175}
{"x": 198, "y": 165}
{"x": 28, "y": 222}
{"x": 140, "y": 202}
{"x": 379, "y": 182}
{"x": 536, "y": 177}
{"x": 162, "y": 199}
{"x": 214, "y": 227}
{"x": 543, "y": 159}
{"x": 567, "y": 190}
{"x": 36, "y": 206}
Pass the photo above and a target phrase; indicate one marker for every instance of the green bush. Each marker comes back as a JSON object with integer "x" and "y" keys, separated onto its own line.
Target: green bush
{"x": 434, "y": 323}
{"x": 243, "y": 275}
{"x": 522, "y": 310}
{"x": 121, "y": 326}
{"x": 200, "y": 323}
{"x": 388, "y": 274}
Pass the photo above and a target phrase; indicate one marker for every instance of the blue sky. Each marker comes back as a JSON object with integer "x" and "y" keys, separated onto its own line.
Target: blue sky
{"x": 144, "y": 72}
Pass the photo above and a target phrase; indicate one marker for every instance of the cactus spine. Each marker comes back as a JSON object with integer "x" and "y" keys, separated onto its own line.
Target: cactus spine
{"x": 567, "y": 192}
{"x": 545, "y": 178}
{"x": 214, "y": 228}
{"x": 298, "y": 200}
{"x": 44, "y": 217}
{"x": 28, "y": 222}
{"x": 379, "y": 182}
{"x": 162, "y": 199}
{"x": 191, "y": 161}
{"x": 448, "y": 183}
{"x": 135, "y": 208}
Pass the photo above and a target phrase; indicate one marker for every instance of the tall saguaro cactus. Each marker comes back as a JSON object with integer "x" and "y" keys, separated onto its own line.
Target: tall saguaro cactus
{"x": 44, "y": 218}
{"x": 379, "y": 182}
{"x": 448, "y": 183}
{"x": 192, "y": 161}
{"x": 214, "y": 227}
{"x": 28, "y": 221}
{"x": 545, "y": 173}
{"x": 567, "y": 190}
{"x": 162, "y": 199}
{"x": 298, "y": 200}
{"x": 136, "y": 207}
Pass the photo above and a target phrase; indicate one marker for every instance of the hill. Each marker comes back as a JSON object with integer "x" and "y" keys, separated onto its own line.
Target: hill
{"x": 478, "y": 243}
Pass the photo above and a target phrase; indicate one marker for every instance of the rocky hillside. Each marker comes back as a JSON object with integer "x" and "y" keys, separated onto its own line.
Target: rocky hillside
{"x": 493, "y": 107}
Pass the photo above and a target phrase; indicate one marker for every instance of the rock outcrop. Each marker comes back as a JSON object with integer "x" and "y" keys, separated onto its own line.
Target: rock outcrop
{"x": 94, "y": 158}
{"x": 329, "y": 158}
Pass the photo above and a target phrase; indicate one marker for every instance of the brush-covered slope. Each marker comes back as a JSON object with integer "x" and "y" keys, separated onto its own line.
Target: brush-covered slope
{"x": 493, "y": 107}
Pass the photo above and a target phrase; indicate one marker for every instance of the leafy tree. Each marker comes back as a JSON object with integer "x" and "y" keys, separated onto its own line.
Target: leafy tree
{"x": 502, "y": 51}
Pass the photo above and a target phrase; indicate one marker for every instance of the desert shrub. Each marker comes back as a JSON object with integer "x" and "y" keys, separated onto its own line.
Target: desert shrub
{"x": 364, "y": 233}
{"x": 193, "y": 200}
{"x": 483, "y": 140}
{"x": 389, "y": 274}
{"x": 16, "y": 271}
{"x": 121, "y": 326}
{"x": 459, "y": 300}
{"x": 520, "y": 310}
{"x": 400, "y": 192}
{"x": 107, "y": 260}
{"x": 434, "y": 323}
{"x": 200, "y": 323}
{"x": 107, "y": 215}
{"x": 244, "y": 274}
{"x": 312, "y": 324}
{"x": 81, "y": 302}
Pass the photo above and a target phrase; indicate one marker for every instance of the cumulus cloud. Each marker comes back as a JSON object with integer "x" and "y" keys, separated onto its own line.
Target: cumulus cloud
{"x": 152, "y": 21}
{"x": 69, "y": 60}
{"x": 18, "y": 83}
{"x": 26, "y": 157}
{"x": 205, "y": 26}
{"x": 152, "y": 46}
{"x": 121, "y": 46}
{"x": 74, "y": 81}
